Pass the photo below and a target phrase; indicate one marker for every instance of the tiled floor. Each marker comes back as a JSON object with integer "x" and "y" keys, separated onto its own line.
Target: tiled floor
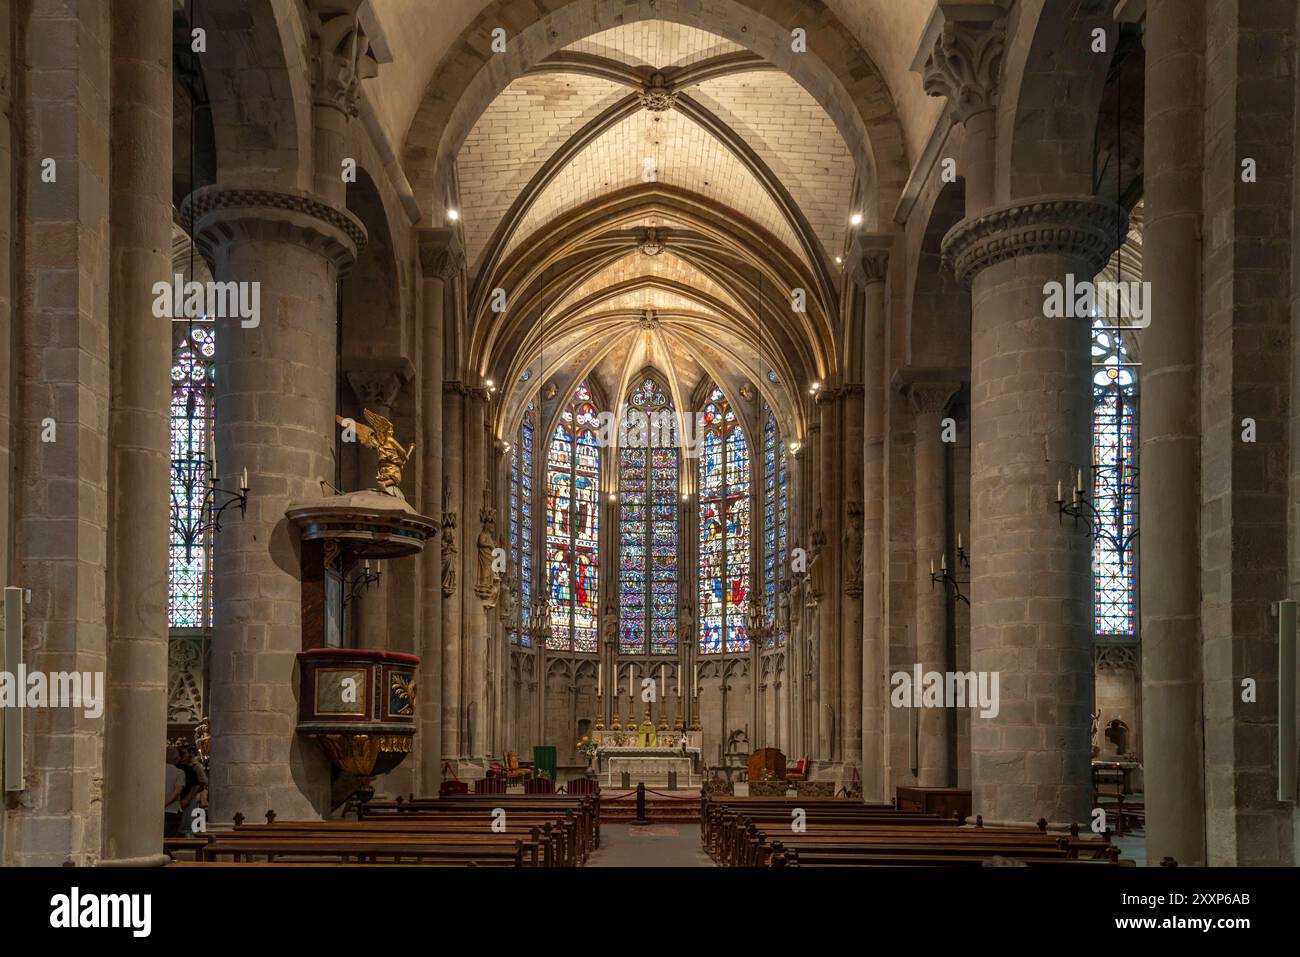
{"x": 652, "y": 845}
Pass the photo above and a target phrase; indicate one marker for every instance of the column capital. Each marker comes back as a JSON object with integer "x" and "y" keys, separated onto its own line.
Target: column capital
{"x": 960, "y": 55}
{"x": 441, "y": 256}
{"x": 377, "y": 381}
{"x": 1081, "y": 226}
{"x": 868, "y": 257}
{"x": 928, "y": 391}
{"x": 340, "y": 55}
{"x": 217, "y": 215}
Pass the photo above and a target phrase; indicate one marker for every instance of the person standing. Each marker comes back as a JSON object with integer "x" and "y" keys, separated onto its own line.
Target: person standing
{"x": 174, "y": 787}
{"x": 196, "y": 780}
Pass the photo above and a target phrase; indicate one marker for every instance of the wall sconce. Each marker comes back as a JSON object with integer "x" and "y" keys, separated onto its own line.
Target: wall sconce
{"x": 944, "y": 577}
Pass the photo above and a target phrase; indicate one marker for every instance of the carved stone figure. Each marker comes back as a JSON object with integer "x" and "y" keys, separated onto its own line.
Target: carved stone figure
{"x": 783, "y": 608}
{"x": 449, "y": 553}
{"x": 489, "y": 581}
{"x": 853, "y": 551}
{"x": 686, "y": 624}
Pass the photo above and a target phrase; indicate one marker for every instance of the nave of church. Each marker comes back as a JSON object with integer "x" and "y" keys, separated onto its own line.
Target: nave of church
{"x": 649, "y": 420}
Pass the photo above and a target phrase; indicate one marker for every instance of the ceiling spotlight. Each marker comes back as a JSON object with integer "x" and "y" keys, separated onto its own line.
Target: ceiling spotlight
{"x": 794, "y": 448}
{"x": 613, "y": 497}
{"x": 839, "y": 261}
{"x": 855, "y": 219}
{"x": 815, "y": 386}
{"x": 453, "y": 214}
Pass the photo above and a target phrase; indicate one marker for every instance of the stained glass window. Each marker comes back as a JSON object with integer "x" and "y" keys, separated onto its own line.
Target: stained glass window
{"x": 776, "y": 523}
{"x": 521, "y": 523}
{"x": 724, "y": 528}
{"x": 647, "y": 494}
{"x": 189, "y": 591}
{"x": 573, "y": 525}
{"x": 1114, "y": 389}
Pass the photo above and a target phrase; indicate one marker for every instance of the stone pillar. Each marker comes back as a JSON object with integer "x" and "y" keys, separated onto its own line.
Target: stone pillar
{"x": 475, "y": 636}
{"x": 340, "y": 60}
{"x": 928, "y": 401}
{"x": 851, "y": 561}
{"x": 1031, "y": 425}
{"x": 376, "y": 384}
{"x": 438, "y": 264}
{"x": 1170, "y": 433}
{"x": 875, "y": 660}
{"x": 830, "y": 710}
{"x": 139, "y": 436}
{"x": 454, "y": 541}
{"x": 275, "y": 387}
{"x": 61, "y": 530}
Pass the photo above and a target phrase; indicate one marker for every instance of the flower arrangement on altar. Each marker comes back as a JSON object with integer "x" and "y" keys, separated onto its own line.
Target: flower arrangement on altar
{"x": 588, "y": 748}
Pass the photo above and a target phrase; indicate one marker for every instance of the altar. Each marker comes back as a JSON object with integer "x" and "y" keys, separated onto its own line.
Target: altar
{"x": 650, "y": 765}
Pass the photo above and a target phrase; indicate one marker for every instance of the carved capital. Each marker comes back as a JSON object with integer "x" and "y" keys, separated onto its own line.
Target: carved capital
{"x": 217, "y": 215}
{"x": 340, "y": 55}
{"x": 964, "y": 65}
{"x": 1084, "y": 227}
{"x": 875, "y": 265}
{"x": 440, "y": 254}
{"x": 930, "y": 398}
{"x": 377, "y": 382}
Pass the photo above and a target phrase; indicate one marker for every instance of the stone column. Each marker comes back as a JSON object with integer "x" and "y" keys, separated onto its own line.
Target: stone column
{"x": 275, "y": 387}
{"x": 340, "y": 60}
{"x": 1031, "y": 425}
{"x": 1170, "y": 433}
{"x": 376, "y": 384}
{"x": 138, "y": 432}
{"x": 478, "y": 504}
{"x": 928, "y": 401}
{"x": 851, "y": 561}
{"x": 438, "y": 264}
{"x": 875, "y": 268}
{"x": 830, "y": 710}
{"x": 454, "y": 542}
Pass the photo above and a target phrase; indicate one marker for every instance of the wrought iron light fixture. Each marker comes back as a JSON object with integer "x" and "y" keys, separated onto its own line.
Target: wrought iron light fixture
{"x": 194, "y": 518}
{"x": 1108, "y": 522}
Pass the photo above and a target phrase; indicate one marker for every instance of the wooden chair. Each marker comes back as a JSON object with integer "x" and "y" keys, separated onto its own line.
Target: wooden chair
{"x": 513, "y": 769}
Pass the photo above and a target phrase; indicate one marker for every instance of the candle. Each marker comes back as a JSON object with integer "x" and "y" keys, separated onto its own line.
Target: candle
{"x": 600, "y": 675}
{"x": 1078, "y": 482}
{"x": 695, "y": 671}
{"x": 943, "y": 562}
{"x": 1059, "y": 496}
{"x": 932, "y": 567}
{"x": 243, "y": 483}
{"x": 663, "y": 682}
{"x": 959, "y": 541}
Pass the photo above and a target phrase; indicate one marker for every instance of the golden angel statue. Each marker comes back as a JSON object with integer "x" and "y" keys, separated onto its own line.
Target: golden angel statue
{"x": 392, "y": 456}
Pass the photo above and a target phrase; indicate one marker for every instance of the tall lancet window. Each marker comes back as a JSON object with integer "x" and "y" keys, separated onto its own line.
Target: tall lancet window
{"x": 573, "y": 525}
{"x": 647, "y": 495}
{"x": 776, "y": 524}
{"x": 189, "y": 581}
{"x": 521, "y": 522}
{"x": 724, "y": 483}
{"x": 1114, "y": 426}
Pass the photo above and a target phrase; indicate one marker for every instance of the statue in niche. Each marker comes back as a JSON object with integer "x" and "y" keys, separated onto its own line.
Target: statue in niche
{"x": 686, "y": 624}
{"x": 609, "y": 629}
{"x": 783, "y": 608}
{"x": 449, "y": 554}
{"x": 853, "y": 551}
{"x": 506, "y": 602}
{"x": 488, "y": 585}
{"x": 381, "y": 436}
{"x": 817, "y": 543}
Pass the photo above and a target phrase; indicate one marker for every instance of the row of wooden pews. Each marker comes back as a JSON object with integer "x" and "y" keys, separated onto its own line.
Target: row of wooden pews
{"x": 836, "y": 832}
{"x": 460, "y": 831}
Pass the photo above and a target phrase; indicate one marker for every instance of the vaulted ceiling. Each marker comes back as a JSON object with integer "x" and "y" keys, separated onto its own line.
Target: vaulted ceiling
{"x": 649, "y": 193}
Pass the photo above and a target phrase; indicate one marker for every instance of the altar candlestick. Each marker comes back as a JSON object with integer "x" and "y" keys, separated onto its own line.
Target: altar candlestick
{"x": 695, "y": 677}
{"x": 663, "y": 683}
{"x": 600, "y": 674}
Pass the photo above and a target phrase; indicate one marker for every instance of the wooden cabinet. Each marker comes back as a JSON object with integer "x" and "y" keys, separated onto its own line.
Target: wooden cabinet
{"x": 945, "y": 802}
